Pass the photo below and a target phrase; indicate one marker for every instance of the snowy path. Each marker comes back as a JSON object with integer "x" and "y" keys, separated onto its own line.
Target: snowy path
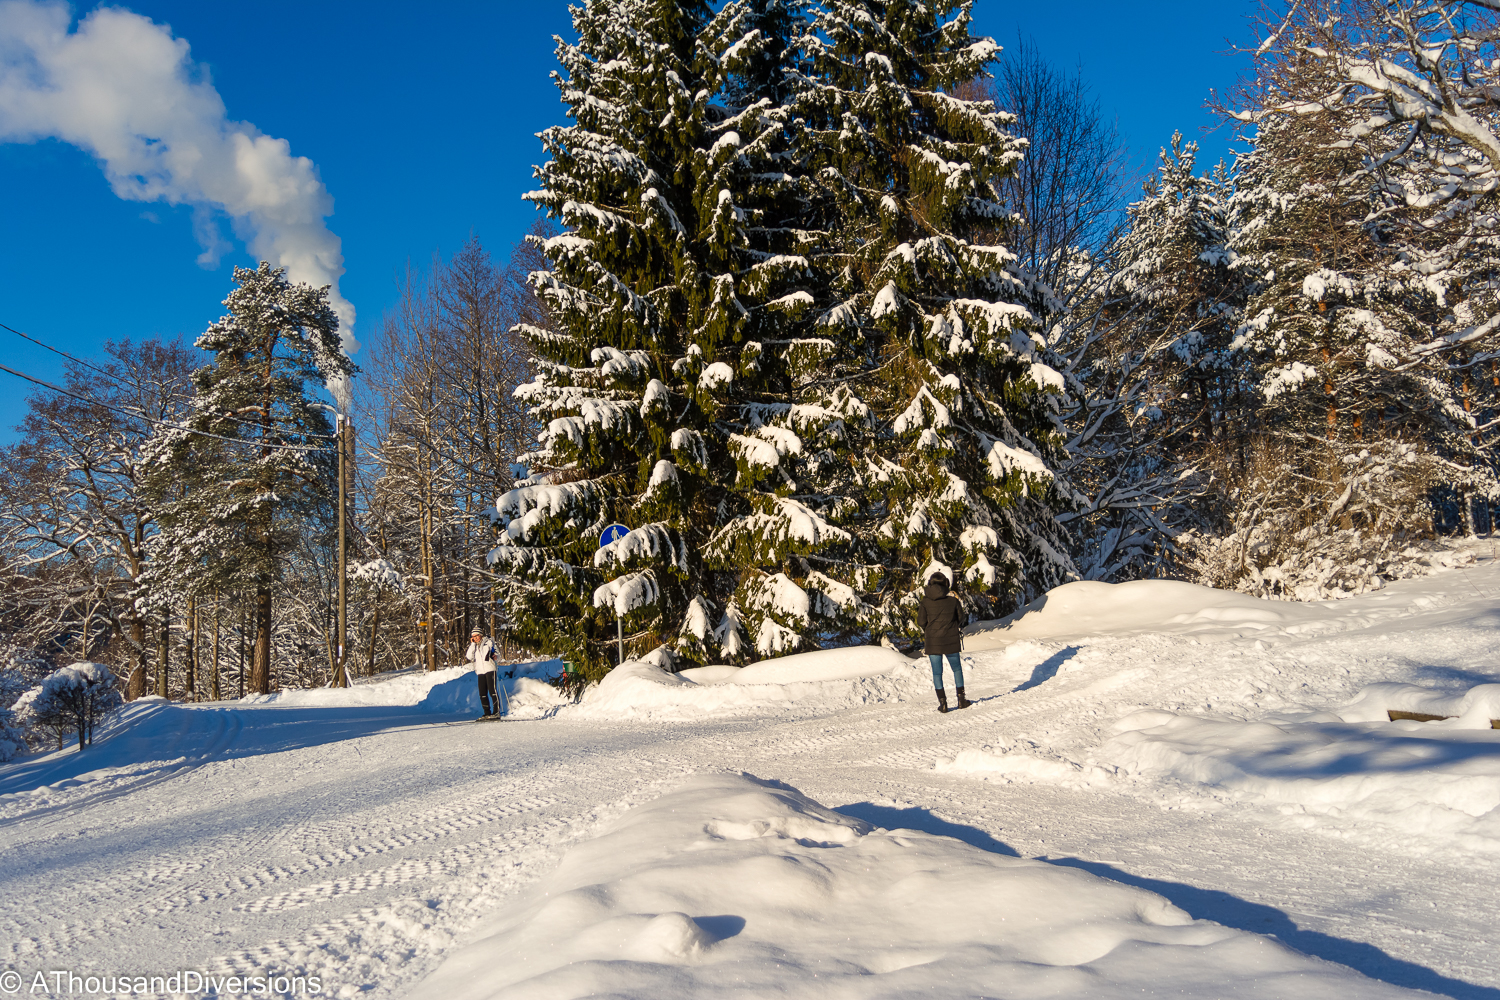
{"x": 363, "y": 844}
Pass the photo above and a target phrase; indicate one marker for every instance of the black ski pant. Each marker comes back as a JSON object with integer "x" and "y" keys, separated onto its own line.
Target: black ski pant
{"x": 489, "y": 698}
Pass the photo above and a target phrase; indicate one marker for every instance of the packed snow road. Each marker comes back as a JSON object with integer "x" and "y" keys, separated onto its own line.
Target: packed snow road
{"x": 1193, "y": 749}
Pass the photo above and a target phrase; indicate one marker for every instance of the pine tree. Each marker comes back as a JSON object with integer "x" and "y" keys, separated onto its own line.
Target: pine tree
{"x": 253, "y": 469}
{"x": 658, "y": 394}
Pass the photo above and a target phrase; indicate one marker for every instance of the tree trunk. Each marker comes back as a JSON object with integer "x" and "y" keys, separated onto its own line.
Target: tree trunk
{"x": 213, "y": 683}
{"x": 163, "y": 657}
{"x": 260, "y": 665}
{"x": 242, "y": 655}
{"x": 190, "y": 690}
{"x": 374, "y": 634}
{"x": 136, "y": 686}
{"x": 431, "y": 570}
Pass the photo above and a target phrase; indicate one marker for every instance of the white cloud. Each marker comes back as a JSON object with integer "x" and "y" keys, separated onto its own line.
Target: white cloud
{"x": 121, "y": 87}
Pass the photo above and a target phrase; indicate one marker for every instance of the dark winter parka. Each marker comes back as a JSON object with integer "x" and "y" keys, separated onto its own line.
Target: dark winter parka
{"x": 941, "y": 617}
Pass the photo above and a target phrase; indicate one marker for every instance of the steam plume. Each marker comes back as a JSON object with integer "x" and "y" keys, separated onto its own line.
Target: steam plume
{"x": 124, "y": 89}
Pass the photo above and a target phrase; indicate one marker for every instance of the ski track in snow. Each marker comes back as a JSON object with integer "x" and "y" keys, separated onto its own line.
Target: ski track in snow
{"x": 362, "y": 844}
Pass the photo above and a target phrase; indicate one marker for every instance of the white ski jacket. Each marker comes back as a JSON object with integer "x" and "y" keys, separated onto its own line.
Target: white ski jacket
{"x": 478, "y": 656}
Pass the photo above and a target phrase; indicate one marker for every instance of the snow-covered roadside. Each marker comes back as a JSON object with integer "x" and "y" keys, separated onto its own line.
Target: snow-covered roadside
{"x": 1439, "y": 786}
{"x": 821, "y": 681}
{"x": 1323, "y": 753}
{"x": 450, "y": 691}
{"x": 367, "y": 844}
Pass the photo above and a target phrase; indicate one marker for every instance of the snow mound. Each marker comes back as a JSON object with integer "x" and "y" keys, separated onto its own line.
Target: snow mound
{"x": 1436, "y": 784}
{"x": 824, "y": 679}
{"x": 819, "y": 665}
{"x": 450, "y": 691}
{"x": 1090, "y": 608}
{"x": 736, "y": 887}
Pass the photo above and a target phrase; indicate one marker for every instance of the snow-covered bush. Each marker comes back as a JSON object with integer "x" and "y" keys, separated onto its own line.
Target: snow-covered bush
{"x": 1311, "y": 526}
{"x": 12, "y": 736}
{"x": 20, "y": 670}
{"x": 76, "y": 698}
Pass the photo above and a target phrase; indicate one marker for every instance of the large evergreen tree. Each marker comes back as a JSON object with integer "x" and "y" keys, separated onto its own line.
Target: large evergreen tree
{"x": 1346, "y": 437}
{"x": 253, "y": 468}
{"x": 673, "y": 188}
{"x": 787, "y": 353}
{"x": 936, "y": 326}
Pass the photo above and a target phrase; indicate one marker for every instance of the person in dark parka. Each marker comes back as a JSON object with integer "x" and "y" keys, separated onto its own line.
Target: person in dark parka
{"x": 941, "y": 618}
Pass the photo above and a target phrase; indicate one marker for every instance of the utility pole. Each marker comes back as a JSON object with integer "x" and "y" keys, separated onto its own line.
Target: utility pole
{"x": 340, "y": 676}
{"x": 342, "y": 428}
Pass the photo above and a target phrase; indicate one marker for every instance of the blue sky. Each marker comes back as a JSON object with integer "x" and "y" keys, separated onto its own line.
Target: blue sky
{"x": 420, "y": 120}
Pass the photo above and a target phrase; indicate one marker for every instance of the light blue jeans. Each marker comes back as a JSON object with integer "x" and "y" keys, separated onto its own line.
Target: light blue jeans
{"x": 937, "y": 669}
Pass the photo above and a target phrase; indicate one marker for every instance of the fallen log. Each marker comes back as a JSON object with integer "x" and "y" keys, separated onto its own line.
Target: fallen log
{"x": 1397, "y": 715}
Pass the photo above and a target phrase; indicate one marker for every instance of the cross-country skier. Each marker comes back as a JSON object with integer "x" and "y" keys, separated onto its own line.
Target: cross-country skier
{"x": 481, "y": 656}
{"x": 941, "y": 618}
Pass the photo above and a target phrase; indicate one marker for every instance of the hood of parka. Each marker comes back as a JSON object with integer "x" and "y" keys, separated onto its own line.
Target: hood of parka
{"x": 937, "y": 587}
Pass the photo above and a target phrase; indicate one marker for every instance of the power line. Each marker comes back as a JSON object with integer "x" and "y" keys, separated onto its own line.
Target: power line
{"x": 27, "y": 336}
{"x": 119, "y": 381}
{"x": 165, "y": 423}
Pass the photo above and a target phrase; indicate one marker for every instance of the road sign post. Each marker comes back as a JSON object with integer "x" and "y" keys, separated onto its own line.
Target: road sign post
{"x": 611, "y": 534}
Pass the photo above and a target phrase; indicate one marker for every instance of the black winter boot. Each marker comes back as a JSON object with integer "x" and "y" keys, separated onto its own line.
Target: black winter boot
{"x": 962, "y": 701}
{"x": 942, "y": 700}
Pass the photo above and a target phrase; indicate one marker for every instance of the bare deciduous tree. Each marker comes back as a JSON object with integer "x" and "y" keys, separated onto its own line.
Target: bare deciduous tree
{"x": 73, "y": 522}
{"x": 440, "y": 405}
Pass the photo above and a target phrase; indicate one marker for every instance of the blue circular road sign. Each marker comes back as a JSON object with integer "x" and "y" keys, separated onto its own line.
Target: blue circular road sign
{"x": 613, "y": 533}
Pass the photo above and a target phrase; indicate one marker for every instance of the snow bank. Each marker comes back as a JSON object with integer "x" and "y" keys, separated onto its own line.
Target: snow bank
{"x": 819, "y": 665}
{"x": 1091, "y": 608}
{"x": 1438, "y": 783}
{"x": 451, "y": 691}
{"x": 826, "y": 679}
{"x": 1471, "y": 709}
{"x": 736, "y": 887}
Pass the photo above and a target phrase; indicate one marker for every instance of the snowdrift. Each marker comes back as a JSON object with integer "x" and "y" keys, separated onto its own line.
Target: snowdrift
{"x": 825, "y": 680}
{"x": 736, "y": 887}
{"x": 1090, "y": 608}
{"x": 1437, "y": 783}
{"x": 450, "y": 691}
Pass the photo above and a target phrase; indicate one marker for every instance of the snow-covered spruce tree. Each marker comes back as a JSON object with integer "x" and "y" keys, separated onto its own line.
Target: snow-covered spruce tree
{"x": 1160, "y": 390}
{"x": 783, "y": 364}
{"x": 933, "y": 328}
{"x": 662, "y": 388}
{"x": 252, "y": 470}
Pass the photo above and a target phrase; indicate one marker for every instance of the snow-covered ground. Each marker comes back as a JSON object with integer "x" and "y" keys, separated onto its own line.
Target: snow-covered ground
{"x": 1160, "y": 790}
